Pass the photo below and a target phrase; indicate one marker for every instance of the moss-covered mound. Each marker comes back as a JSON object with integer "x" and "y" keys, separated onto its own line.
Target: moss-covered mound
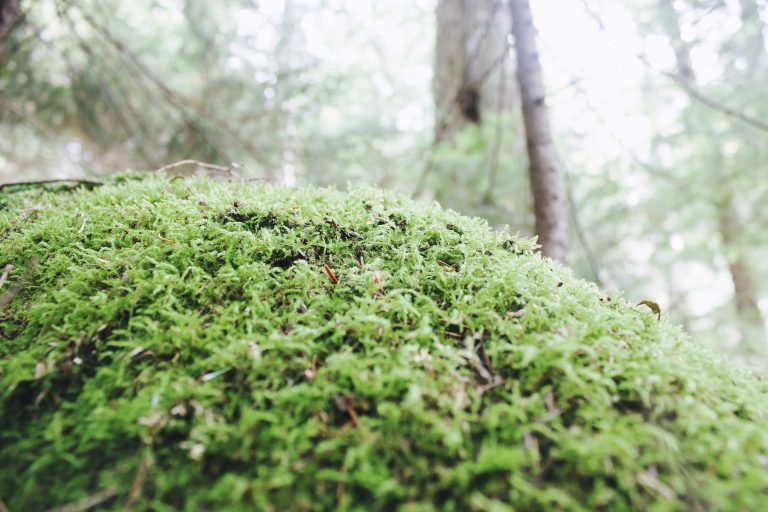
{"x": 197, "y": 345}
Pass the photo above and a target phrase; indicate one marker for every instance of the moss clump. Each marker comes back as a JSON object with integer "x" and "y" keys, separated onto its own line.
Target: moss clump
{"x": 194, "y": 345}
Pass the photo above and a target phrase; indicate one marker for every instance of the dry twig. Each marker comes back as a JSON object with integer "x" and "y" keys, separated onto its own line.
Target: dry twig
{"x": 73, "y": 181}
{"x": 91, "y": 501}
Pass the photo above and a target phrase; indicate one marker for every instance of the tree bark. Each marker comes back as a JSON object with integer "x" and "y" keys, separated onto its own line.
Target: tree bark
{"x": 543, "y": 163}
{"x": 10, "y": 12}
{"x": 470, "y": 64}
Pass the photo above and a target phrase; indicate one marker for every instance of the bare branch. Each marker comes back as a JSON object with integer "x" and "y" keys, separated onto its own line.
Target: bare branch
{"x": 493, "y": 166}
{"x": 88, "y": 502}
{"x": 694, "y": 93}
{"x": 421, "y": 182}
{"x": 183, "y": 103}
{"x": 73, "y": 181}
{"x": 203, "y": 165}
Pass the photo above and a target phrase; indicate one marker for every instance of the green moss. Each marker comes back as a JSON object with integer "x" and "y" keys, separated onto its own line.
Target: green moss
{"x": 179, "y": 345}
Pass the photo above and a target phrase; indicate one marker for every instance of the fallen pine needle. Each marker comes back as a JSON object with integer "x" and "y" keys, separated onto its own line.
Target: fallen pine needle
{"x": 330, "y": 274}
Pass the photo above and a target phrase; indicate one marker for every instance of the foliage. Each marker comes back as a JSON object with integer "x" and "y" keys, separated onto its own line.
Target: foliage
{"x": 176, "y": 344}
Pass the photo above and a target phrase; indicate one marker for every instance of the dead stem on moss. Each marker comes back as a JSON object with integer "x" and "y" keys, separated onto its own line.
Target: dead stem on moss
{"x": 15, "y": 289}
{"x": 82, "y": 226}
{"x": 138, "y": 483}
{"x": 6, "y": 270}
{"x": 88, "y": 502}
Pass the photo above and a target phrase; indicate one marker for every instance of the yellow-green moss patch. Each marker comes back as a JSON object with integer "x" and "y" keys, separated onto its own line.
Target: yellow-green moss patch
{"x": 198, "y": 345}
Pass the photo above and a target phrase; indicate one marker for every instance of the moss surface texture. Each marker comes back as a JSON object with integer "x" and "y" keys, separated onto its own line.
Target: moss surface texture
{"x": 185, "y": 344}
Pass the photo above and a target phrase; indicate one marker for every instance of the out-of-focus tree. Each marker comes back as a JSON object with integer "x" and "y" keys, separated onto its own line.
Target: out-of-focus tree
{"x": 10, "y": 14}
{"x": 101, "y": 86}
{"x": 472, "y": 68}
{"x": 724, "y": 198}
{"x": 332, "y": 92}
{"x": 475, "y": 159}
{"x": 544, "y": 167}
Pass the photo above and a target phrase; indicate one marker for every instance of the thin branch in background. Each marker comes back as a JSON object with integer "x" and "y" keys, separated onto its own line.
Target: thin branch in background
{"x": 176, "y": 101}
{"x": 131, "y": 123}
{"x": 213, "y": 167}
{"x": 592, "y": 14}
{"x": 493, "y": 167}
{"x": 132, "y": 130}
{"x": 589, "y": 253}
{"x": 576, "y": 83}
{"x": 705, "y": 100}
{"x": 421, "y": 182}
{"x": 39, "y": 126}
{"x": 138, "y": 482}
{"x": 684, "y": 84}
{"x": 444, "y": 110}
{"x": 181, "y": 102}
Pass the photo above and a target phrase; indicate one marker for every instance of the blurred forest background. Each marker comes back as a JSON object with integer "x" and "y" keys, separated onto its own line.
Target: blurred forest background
{"x": 658, "y": 108}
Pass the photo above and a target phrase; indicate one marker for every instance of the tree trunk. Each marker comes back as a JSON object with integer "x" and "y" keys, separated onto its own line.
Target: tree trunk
{"x": 470, "y": 64}
{"x": 544, "y": 166}
{"x": 745, "y": 299}
{"x": 10, "y": 12}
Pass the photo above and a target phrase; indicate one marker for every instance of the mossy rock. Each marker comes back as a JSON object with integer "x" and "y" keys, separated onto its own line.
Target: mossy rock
{"x": 199, "y": 345}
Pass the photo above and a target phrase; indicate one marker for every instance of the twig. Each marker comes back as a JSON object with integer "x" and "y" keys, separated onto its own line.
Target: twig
{"x": 694, "y": 93}
{"x": 3, "y": 278}
{"x": 595, "y": 17}
{"x": 133, "y": 130}
{"x": 445, "y": 110}
{"x": 181, "y": 102}
{"x": 592, "y": 259}
{"x": 87, "y": 502}
{"x": 82, "y": 226}
{"x": 427, "y": 169}
{"x": 340, "y": 487}
{"x": 494, "y": 161}
{"x": 575, "y": 82}
{"x": 138, "y": 483}
{"x": 13, "y": 291}
{"x": 214, "y": 167}
{"x": 74, "y": 181}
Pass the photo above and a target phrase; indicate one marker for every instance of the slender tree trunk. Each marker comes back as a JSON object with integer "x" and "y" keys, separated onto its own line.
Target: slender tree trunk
{"x": 546, "y": 179}
{"x": 745, "y": 298}
{"x": 10, "y": 12}
{"x": 290, "y": 57}
{"x": 470, "y": 63}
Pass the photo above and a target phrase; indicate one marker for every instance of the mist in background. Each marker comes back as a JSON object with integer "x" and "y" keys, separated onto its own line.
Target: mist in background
{"x": 659, "y": 113}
